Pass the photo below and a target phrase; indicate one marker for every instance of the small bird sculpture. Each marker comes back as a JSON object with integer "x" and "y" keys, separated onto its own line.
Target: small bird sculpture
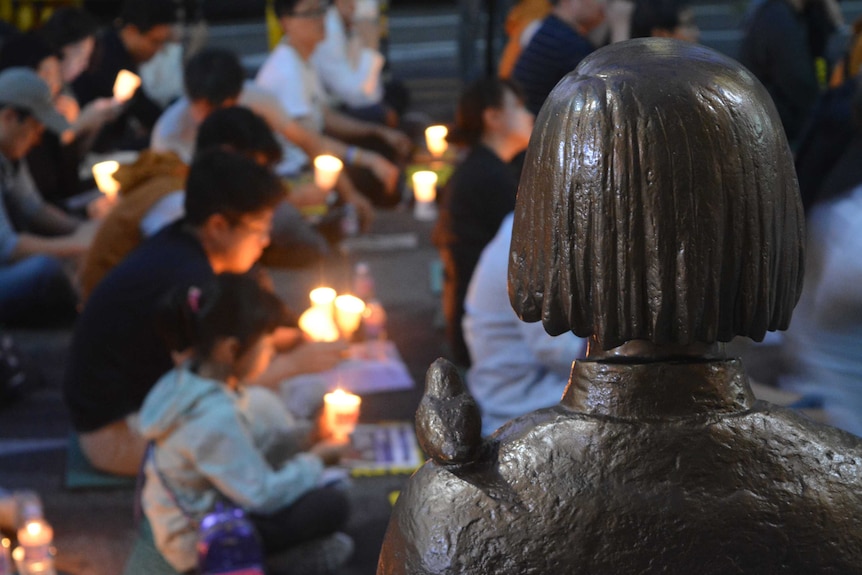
{"x": 448, "y": 422}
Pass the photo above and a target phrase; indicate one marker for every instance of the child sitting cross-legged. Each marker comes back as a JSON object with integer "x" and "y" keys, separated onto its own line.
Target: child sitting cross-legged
{"x": 209, "y": 443}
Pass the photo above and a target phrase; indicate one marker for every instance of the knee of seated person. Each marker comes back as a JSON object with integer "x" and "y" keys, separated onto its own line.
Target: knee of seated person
{"x": 44, "y": 267}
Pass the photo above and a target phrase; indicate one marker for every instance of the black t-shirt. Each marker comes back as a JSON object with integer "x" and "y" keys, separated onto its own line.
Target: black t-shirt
{"x": 117, "y": 353}
{"x": 480, "y": 193}
{"x": 132, "y": 128}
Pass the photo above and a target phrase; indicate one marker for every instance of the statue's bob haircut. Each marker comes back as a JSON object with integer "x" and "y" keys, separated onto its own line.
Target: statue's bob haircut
{"x": 658, "y": 202}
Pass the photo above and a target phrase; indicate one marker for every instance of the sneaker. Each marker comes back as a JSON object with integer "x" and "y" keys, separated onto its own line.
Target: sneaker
{"x": 316, "y": 557}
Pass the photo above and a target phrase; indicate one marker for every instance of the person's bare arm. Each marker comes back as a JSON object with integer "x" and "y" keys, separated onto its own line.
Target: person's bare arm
{"x": 344, "y": 127}
{"x": 309, "y": 357}
{"x": 72, "y": 245}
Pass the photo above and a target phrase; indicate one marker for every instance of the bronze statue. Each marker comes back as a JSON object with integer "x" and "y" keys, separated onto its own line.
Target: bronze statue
{"x": 658, "y": 214}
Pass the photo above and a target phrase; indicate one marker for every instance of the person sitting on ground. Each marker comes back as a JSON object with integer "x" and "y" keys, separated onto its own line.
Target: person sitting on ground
{"x": 557, "y": 47}
{"x": 116, "y": 354}
{"x": 34, "y": 287}
{"x": 288, "y": 73}
{"x": 522, "y": 21}
{"x": 208, "y": 441}
{"x": 778, "y": 47}
{"x": 350, "y": 65}
{"x": 492, "y": 121}
{"x": 214, "y": 78}
{"x": 151, "y": 197}
{"x": 55, "y": 162}
{"x": 32, "y": 51}
{"x": 664, "y": 19}
{"x": 517, "y": 367}
{"x": 143, "y": 28}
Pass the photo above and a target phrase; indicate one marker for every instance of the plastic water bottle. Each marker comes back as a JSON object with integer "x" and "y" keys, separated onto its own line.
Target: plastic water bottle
{"x": 350, "y": 221}
{"x": 363, "y": 282}
{"x": 6, "y": 567}
{"x": 35, "y": 536}
{"x": 374, "y": 330}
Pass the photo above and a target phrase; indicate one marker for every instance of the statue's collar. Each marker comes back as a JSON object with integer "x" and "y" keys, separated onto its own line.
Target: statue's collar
{"x": 660, "y": 390}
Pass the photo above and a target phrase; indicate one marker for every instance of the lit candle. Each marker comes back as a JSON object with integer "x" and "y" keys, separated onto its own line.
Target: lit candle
{"x": 33, "y": 555}
{"x": 35, "y": 533}
{"x": 326, "y": 170}
{"x": 318, "y": 325}
{"x": 341, "y": 412}
{"x": 348, "y": 314}
{"x": 125, "y": 85}
{"x": 425, "y": 192}
{"x": 435, "y": 140}
{"x": 103, "y": 172}
{"x": 322, "y": 297}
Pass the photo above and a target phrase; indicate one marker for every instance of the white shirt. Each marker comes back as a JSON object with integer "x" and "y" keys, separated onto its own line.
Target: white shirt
{"x": 349, "y": 72}
{"x": 825, "y": 335}
{"x": 176, "y": 130}
{"x": 517, "y": 367}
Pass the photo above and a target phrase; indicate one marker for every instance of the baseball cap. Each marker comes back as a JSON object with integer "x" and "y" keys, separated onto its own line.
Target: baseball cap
{"x": 24, "y": 89}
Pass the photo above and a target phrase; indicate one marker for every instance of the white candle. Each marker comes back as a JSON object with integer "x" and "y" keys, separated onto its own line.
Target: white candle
{"x": 425, "y": 192}
{"x": 322, "y": 297}
{"x": 103, "y": 172}
{"x": 341, "y": 412}
{"x": 33, "y": 555}
{"x": 435, "y": 140}
{"x": 348, "y": 314}
{"x": 35, "y": 533}
{"x": 318, "y": 325}
{"x": 326, "y": 170}
{"x": 125, "y": 85}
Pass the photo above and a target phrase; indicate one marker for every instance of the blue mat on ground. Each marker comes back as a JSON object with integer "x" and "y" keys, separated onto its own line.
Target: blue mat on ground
{"x": 81, "y": 475}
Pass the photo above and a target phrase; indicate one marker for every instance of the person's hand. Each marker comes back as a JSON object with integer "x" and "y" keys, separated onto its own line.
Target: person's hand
{"x": 383, "y": 169}
{"x": 68, "y": 107}
{"x": 285, "y": 338}
{"x": 307, "y": 194}
{"x": 101, "y": 207}
{"x": 96, "y": 114}
{"x": 330, "y": 451}
{"x": 397, "y": 140}
{"x": 84, "y": 234}
{"x": 309, "y": 357}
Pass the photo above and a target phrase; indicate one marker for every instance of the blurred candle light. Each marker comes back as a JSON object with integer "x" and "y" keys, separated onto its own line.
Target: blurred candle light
{"x": 348, "y": 314}
{"x": 322, "y": 297}
{"x": 435, "y": 140}
{"x": 341, "y": 412}
{"x": 103, "y": 172}
{"x": 33, "y": 555}
{"x": 318, "y": 325}
{"x": 425, "y": 192}
{"x": 326, "y": 171}
{"x": 125, "y": 85}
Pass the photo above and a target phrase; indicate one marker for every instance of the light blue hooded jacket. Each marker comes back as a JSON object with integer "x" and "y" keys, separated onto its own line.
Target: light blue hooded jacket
{"x": 212, "y": 443}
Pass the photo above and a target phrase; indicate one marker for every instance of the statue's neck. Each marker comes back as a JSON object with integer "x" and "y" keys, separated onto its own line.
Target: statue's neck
{"x": 656, "y": 390}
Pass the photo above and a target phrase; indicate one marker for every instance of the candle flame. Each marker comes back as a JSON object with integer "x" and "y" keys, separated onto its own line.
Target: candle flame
{"x": 103, "y": 172}
{"x": 435, "y": 140}
{"x": 125, "y": 85}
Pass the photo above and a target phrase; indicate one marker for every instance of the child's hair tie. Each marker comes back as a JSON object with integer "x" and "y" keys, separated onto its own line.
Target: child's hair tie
{"x": 194, "y": 299}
